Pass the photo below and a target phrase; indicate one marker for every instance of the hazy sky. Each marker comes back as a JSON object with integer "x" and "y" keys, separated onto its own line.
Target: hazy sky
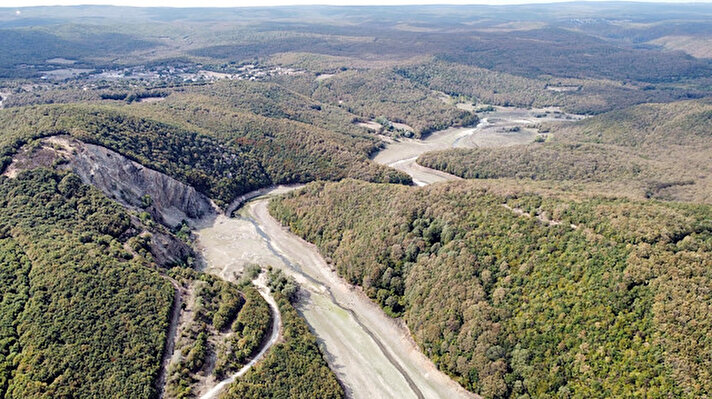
{"x": 245, "y": 3}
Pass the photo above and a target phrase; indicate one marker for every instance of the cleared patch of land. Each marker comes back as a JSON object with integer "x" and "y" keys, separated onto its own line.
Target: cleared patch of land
{"x": 696, "y": 46}
{"x": 61, "y": 61}
{"x": 372, "y": 125}
{"x": 323, "y": 76}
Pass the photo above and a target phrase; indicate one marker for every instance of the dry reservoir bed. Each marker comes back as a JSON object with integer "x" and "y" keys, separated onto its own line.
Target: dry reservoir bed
{"x": 504, "y": 126}
{"x": 371, "y": 353}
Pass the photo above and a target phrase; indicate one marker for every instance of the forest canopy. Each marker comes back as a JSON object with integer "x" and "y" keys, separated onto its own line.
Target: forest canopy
{"x": 221, "y": 152}
{"x": 522, "y": 295}
{"x": 80, "y": 313}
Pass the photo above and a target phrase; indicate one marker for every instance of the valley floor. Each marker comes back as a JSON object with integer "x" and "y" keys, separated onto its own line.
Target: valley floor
{"x": 372, "y": 354}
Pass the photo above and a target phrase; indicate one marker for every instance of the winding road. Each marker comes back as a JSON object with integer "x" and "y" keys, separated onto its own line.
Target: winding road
{"x": 261, "y": 283}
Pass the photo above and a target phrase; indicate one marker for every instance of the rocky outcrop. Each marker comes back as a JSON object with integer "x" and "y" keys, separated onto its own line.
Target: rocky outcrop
{"x": 166, "y": 249}
{"x": 133, "y": 185}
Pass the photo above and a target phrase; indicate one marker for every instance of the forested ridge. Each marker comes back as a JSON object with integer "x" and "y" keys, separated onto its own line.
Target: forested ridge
{"x": 294, "y": 140}
{"x": 221, "y": 151}
{"x": 382, "y": 93}
{"x": 272, "y": 100}
{"x": 482, "y": 84}
{"x": 196, "y": 159}
{"x": 575, "y": 95}
{"x": 585, "y": 297}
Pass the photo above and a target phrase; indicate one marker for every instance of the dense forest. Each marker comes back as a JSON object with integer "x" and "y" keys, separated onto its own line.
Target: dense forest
{"x": 286, "y": 137}
{"x": 82, "y": 316}
{"x": 483, "y": 84}
{"x": 522, "y": 295}
{"x": 577, "y": 55}
{"x": 637, "y": 150}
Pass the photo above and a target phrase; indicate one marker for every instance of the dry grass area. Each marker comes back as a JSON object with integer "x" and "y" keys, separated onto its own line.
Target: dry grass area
{"x": 700, "y": 47}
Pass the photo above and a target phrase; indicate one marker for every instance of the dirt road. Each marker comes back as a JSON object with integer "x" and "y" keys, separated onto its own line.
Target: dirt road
{"x": 261, "y": 283}
{"x": 170, "y": 337}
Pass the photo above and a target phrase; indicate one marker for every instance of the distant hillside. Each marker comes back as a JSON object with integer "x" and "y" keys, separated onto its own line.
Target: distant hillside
{"x": 521, "y": 295}
{"x": 604, "y": 56}
{"x": 382, "y": 93}
{"x": 647, "y": 126}
{"x": 574, "y": 94}
{"x": 653, "y": 150}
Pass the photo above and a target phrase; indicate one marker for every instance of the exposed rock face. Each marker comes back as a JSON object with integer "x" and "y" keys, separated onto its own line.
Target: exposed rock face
{"x": 129, "y": 182}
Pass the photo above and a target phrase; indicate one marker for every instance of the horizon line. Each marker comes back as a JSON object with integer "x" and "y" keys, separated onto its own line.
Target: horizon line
{"x": 491, "y": 3}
